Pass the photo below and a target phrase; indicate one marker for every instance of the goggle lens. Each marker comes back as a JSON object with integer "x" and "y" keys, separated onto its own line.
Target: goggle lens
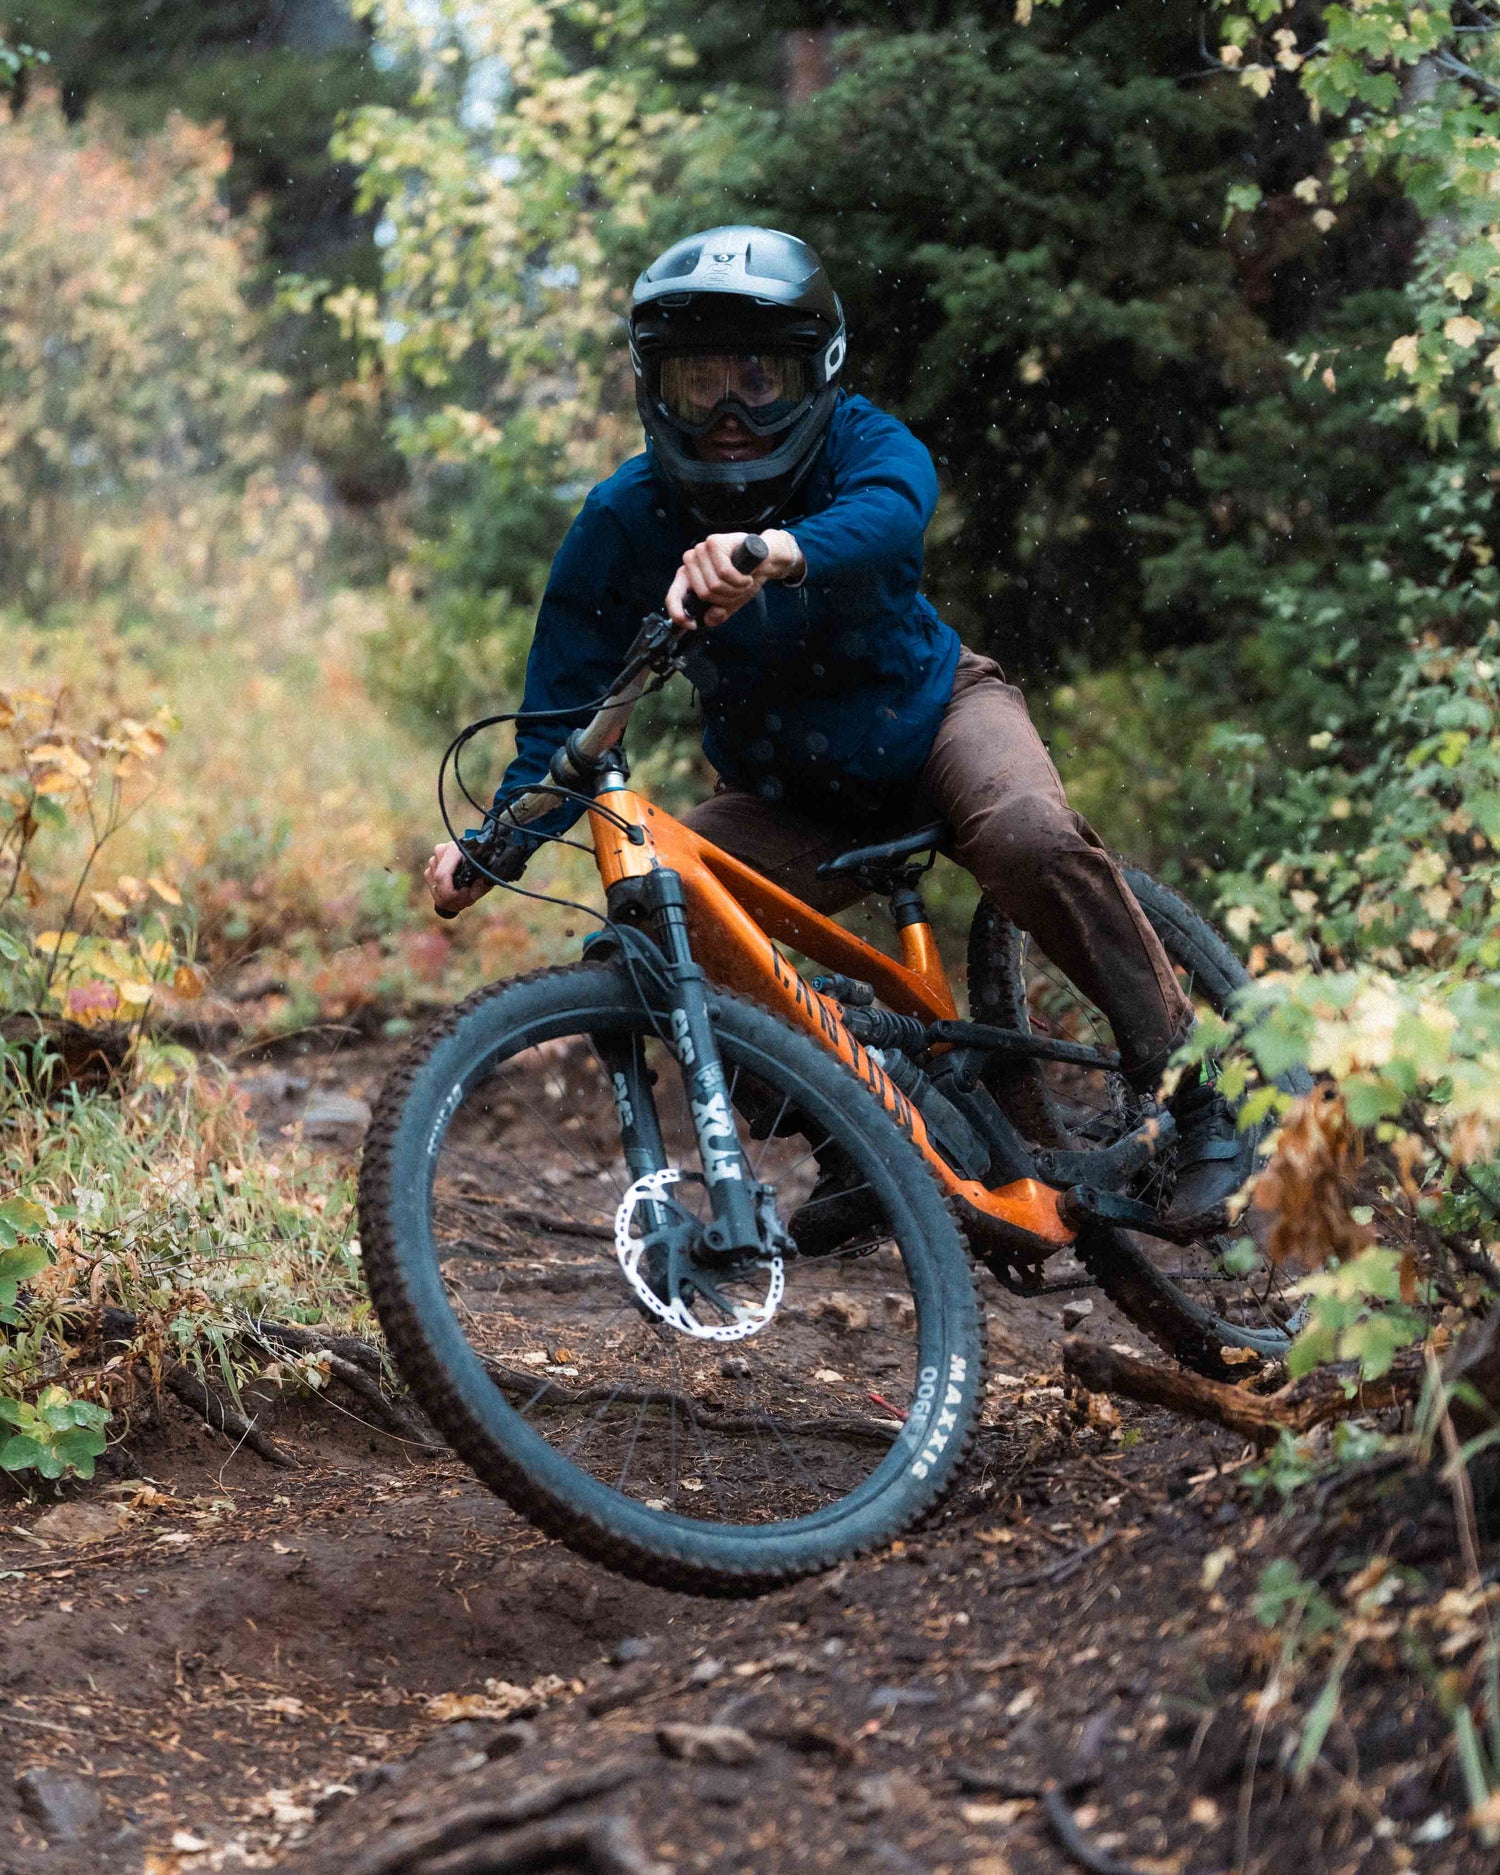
{"x": 694, "y": 384}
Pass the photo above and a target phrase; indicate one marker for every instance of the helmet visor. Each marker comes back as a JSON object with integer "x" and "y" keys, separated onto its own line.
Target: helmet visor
{"x": 769, "y": 387}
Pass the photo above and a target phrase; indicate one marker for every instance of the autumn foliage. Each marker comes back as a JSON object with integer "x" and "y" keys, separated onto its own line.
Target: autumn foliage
{"x": 127, "y": 366}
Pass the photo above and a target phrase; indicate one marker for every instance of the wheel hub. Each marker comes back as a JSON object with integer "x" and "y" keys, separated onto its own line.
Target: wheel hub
{"x": 670, "y": 1278}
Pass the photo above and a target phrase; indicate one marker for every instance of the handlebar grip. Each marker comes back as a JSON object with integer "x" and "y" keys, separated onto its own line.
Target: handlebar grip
{"x": 746, "y": 558}
{"x": 465, "y": 873}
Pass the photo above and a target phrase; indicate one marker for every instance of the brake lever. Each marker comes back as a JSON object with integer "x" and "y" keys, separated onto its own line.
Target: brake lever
{"x": 661, "y": 646}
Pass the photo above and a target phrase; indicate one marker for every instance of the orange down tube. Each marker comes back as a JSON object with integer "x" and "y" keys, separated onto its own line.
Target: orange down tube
{"x": 734, "y": 914}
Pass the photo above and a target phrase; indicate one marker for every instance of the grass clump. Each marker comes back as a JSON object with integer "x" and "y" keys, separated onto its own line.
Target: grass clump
{"x": 160, "y": 1202}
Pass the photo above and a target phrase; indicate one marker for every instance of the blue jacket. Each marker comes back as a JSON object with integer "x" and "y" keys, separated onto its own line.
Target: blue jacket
{"x": 829, "y": 694}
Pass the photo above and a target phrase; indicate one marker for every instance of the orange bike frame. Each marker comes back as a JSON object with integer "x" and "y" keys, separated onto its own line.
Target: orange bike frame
{"x": 735, "y": 913}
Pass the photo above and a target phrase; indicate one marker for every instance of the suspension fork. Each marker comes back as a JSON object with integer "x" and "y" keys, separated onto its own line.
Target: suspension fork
{"x": 635, "y": 1106}
{"x": 732, "y": 1191}
{"x": 635, "y": 1110}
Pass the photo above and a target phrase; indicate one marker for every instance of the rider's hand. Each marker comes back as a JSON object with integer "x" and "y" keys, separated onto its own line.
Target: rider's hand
{"x": 709, "y": 571}
{"x": 439, "y": 876}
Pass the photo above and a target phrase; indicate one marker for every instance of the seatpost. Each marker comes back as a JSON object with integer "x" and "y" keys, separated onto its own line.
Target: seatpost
{"x": 731, "y": 1186}
{"x": 906, "y": 899}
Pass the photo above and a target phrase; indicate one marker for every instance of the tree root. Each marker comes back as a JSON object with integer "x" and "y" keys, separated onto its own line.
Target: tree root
{"x": 354, "y": 1375}
{"x": 399, "y": 1424}
{"x": 1325, "y": 1394}
{"x": 442, "y": 1844}
{"x": 528, "y": 1217}
{"x": 1072, "y": 1841}
{"x": 607, "y": 1845}
{"x": 216, "y": 1411}
{"x": 362, "y": 1354}
{"x": 1054, "y": 1572}
{"x": 357, "y": 1365}
{"x": 535, "y": 1383}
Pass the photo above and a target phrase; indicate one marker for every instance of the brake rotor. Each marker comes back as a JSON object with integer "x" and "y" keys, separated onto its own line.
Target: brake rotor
{"x": 745, "y": 1318}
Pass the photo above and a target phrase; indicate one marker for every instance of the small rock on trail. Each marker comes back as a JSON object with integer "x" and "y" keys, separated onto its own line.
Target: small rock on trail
{"x": 707, "y": 1744}
{"x": 334, "y": 1116}
{"x": 68, "y": 1524}
{"x": 66, "y": 1808}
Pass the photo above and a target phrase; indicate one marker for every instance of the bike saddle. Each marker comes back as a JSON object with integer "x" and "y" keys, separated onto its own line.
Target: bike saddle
{"x": 870, "y": 862}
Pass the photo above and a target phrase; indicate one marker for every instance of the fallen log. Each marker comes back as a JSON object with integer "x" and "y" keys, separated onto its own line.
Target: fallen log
{"x": 1325, "y": 1394}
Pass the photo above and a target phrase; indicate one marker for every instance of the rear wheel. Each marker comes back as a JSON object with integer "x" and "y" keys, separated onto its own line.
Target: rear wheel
{"x": 1192, "y": 1300}
{"x": 490, "y": 1196}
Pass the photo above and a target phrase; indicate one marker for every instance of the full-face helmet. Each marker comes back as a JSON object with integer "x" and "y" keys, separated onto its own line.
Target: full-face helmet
{"x": 741, "y": 322}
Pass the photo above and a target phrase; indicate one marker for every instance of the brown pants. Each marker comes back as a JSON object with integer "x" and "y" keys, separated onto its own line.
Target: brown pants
{"x": 993, "y": 782}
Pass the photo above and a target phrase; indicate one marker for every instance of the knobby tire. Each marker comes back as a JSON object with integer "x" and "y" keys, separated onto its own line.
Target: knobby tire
{"x": 402, "y": 1263}
{"x": 1160, "y": 1307}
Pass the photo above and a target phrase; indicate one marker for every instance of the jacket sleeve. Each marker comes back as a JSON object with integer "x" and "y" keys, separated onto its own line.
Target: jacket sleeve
{"x": 583, "y": 629}
{"x": 884, "y": 493}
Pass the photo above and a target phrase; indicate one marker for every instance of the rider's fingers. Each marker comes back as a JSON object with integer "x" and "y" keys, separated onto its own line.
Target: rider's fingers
{"x": 718, "y": 549}
{"x": 713, "y": 565}
{"x": 699, "y": 576}
{"x": 726, "y": 588}
{"x": 676, "y": 599}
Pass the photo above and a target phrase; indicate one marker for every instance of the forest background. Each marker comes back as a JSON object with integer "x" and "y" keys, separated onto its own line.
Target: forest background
{"x": 311, "y": 344}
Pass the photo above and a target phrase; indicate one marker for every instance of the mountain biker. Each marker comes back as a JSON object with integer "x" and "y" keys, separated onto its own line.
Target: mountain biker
{"x": 838, "y": 706}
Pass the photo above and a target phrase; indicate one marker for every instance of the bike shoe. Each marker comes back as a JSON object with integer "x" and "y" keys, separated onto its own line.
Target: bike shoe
{"x": 1214, "y": 1158}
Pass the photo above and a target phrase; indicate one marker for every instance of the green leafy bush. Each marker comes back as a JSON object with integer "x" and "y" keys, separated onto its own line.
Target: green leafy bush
{"x": 54, "y": 1436}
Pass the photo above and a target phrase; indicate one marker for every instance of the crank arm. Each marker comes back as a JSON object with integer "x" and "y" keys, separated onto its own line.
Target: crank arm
{"x": 1107, "y": 1168}
{"x": 1081, "y": 1205}
{"x": 1017, "y": 1042}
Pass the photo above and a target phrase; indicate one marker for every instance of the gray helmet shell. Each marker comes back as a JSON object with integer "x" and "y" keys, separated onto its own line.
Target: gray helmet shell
{"x": 737, "y": 288}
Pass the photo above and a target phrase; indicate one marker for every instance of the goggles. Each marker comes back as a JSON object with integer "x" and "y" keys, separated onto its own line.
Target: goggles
{"x": 767, "y": 389}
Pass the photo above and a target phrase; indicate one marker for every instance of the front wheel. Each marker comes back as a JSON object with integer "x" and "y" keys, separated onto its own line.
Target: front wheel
{"x": 490, "y": 1195}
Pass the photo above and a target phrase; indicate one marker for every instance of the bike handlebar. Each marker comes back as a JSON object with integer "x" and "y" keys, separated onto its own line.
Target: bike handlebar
{"x": 748, "y": 557}
{"x": 609, "y": 722}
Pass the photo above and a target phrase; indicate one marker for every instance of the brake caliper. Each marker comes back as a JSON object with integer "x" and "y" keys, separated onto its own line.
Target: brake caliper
{"x": 670, "y": 1281}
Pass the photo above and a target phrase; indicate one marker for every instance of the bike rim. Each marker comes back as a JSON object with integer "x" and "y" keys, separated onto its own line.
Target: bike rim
{"x": 805, "y": 1419}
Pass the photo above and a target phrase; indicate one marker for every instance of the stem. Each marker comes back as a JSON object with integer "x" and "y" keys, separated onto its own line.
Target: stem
{"x": 23, "y": 847}
{"x": 111, "y": 827}
{"x": 1457, "y": 1476}
{"x": 1475, "y": 1264}
{"x": 1456, "y": 68}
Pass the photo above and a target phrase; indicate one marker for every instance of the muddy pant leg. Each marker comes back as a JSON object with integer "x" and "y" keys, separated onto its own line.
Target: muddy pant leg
{"x": 1045, "y": 867}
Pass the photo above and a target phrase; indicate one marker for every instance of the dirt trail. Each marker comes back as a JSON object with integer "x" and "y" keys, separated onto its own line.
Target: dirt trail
{"x": 287, "y": 1669}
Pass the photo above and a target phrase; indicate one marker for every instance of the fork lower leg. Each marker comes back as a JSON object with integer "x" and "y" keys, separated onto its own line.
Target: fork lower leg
{"x": 735, "y": 1230}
